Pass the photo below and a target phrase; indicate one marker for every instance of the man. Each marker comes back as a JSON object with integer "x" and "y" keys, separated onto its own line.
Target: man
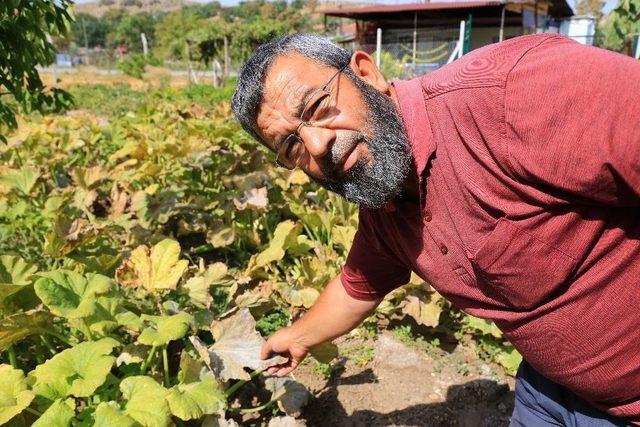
{"x": 509, "y": 180}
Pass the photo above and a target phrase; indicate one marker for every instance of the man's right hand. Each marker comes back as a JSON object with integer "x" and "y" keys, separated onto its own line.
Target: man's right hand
{"x": 335, "y": 313}
{"x": 287, "y": 343}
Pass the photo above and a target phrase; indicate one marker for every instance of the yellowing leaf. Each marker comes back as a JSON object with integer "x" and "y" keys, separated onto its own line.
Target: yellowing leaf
{"x": 220, "y": 235}
{"x": 196, "y": 399}
{"x": 22, "y": 179}
{"x": 198, "y": 290}
{"x": 159, "y": 268}
{"x": 304, "y": 297}
{"x": 285, "y": 235}
{"x": 424, "y": 313}
{"x": 146, "y": 401}
{"x": 77, "y": 371}
{"x": 15, "y": 328}
{"x": 89, "y": 178}
{"x": 164, "y": 329}
{"x": 14, "y": 393}
{"x": 237, "y": 346}
{"x": 60, "y": 413}
{"x": 255, "y": 198}
{"x": 290, "y": 394}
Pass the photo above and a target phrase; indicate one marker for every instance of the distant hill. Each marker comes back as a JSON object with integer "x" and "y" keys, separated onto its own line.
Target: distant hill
{"x": 99, "y": 7}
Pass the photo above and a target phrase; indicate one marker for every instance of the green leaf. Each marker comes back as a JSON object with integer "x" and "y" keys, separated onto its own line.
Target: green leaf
{"x": 237, "y": 346}
{"x": 15, "y": 271}
{"x": 164, "y": 329}
{"x": 108, "y": 414}
{"x": 196, "y": 399}
{"x": 93, "y": 299}
{"x": 77, "y": 371}
{"x": 483, "y": 326}
{"x": 146, "y": 401}
{"x": 15, "y": 328}
{"x": 22, "y": 179}
{"x": 285, "y": 235}
{"x": 14, "y": 393}
{"x": 158, "y": 268}
{"x": 510, "y": 359}
{"x": 59, "y": 414}
{"x": 290, "y": 394}
{"x": 325, "y": 353}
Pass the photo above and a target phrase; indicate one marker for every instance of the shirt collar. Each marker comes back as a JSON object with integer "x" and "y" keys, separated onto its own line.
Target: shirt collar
{"x": 413, "y": 111}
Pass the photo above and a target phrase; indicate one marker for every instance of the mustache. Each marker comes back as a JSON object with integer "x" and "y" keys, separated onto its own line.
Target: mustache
{"x": 345, "y": 142}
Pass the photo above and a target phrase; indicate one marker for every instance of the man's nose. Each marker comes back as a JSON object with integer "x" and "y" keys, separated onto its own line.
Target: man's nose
{"x": 317, "y": 141}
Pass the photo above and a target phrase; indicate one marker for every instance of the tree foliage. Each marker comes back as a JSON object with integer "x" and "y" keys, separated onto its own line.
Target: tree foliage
{"x": 620, "y": 25}
{"x": 589, "y": 7}
{"x": 26, "y": 28}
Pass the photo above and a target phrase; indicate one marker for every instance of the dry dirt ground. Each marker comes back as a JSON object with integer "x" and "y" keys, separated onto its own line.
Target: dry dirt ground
{"x": 384, "y": 382}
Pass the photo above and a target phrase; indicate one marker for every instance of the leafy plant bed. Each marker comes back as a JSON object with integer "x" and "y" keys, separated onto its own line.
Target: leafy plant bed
{"x": 124, "y": 239}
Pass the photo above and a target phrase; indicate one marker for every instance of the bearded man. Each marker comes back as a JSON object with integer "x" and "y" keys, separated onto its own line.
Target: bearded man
{"x": 509, "y": 180}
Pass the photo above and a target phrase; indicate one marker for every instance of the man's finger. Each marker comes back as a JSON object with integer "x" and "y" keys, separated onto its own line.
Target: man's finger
{"x": 265, "y": 351}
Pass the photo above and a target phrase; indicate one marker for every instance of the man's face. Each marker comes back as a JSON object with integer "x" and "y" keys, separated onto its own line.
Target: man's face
{"x": 362, "y": 152}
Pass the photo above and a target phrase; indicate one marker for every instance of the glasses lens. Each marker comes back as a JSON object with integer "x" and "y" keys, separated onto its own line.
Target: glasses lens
{"x": 290, "y": 152}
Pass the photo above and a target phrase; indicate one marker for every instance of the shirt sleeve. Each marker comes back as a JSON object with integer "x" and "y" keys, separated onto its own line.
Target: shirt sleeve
{"x": 371, "y": 270}
{"x": 572, "y": 122}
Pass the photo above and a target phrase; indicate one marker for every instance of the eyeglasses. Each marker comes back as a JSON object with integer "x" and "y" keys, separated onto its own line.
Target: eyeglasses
{"x": 318, "y": 111}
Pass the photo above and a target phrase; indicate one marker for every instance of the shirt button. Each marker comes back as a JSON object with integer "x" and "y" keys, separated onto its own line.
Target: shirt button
{"x": 444, "y": 249}
{"x": 427, "y": 216}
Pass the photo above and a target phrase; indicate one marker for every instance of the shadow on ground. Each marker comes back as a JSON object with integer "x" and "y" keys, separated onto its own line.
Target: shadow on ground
{"x": 479, "y": 402}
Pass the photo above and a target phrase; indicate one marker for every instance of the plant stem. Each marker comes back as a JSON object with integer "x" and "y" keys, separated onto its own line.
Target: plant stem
{"x": 60, "y": 337}
{"x": 165, "y": 365}
{"x": 152, "y": 352}
{"x": 257, "y": 408}
{"x": 33, "y": 411}
{"x": 229, "y": 392}
{"x": 48, "y": 344}
{"x": 12, "y": 357}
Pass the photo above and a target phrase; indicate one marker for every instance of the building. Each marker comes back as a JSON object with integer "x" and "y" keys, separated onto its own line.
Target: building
{"x": 425, "y": 36}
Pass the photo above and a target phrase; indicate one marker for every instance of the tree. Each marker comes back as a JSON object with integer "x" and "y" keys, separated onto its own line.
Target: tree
{"x": 95, "y": 29}
{"x": 26, "y": 31}
{"x": 620, "y": 25}
{"x": 589, "y": 7}
{"x": 128, "y": 29}
{"x": 173, "y": 31}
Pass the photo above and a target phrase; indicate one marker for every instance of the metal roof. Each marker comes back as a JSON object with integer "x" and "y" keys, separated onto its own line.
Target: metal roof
{"x": 360, "y": 12}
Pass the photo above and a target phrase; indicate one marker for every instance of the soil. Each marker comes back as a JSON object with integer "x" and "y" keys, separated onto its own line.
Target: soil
{"x": 383, "y": 382}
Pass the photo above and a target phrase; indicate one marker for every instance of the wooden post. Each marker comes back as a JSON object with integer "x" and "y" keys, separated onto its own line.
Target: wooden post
{"x": 535, "y": 17}
{"x": 501, "y": 38}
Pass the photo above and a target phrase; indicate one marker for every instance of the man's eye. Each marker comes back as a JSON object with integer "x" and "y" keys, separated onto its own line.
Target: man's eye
{"x": 316, "y": 109}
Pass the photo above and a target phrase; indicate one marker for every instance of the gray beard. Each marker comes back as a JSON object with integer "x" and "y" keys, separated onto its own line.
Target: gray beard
{"x": 371, "y": 184}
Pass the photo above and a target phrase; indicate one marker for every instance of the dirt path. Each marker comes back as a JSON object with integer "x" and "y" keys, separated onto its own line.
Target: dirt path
{"x": 383, "y": 382}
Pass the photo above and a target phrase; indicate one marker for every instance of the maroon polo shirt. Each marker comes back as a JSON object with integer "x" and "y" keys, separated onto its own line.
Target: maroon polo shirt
{"x": 528, "y": 158}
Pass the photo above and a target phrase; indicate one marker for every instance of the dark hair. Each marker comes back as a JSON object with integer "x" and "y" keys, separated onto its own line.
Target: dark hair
{"x": 249, "y": 91}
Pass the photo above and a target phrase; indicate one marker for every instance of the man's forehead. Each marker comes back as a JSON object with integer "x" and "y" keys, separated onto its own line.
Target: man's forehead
{"x": 287, "y": 80}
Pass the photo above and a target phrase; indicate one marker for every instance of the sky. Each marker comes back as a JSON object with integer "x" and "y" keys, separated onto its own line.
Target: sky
{"x": 608, "y": 5}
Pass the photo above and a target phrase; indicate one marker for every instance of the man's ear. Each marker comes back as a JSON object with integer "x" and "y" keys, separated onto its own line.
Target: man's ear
{"x": 365, "y": 67}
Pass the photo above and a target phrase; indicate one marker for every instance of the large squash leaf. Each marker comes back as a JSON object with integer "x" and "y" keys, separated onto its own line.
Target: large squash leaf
{"x": 15, "y": 328}
{"x": 164, "y": 329}
{"x": 285, "y": 235}
{"x": 155, "y": 269}
{"x": 93, "y": 299}
{"x": 14, "y": 393}
{"x": 77, "y": 371}
{"x": 108, "y": 414}
{"x": 22, "y": 179}
{"x": 194, "y": 400}
{"x": 290, "y": 394}
{"x": 237, "y": 346}
{"x": 146, "y": 401}
{"x": 59, "y": 414}
{"x": 15, "y": 280}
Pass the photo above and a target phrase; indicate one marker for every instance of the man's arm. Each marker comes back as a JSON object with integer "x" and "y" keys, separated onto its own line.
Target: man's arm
{"x": 334, "y": 314}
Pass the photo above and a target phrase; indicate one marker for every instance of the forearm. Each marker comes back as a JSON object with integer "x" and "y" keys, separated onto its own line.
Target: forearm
{"x": 334, "y": 314}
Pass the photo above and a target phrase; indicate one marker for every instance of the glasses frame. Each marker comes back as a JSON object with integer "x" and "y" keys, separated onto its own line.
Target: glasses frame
{"x": 295, "y": 138}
